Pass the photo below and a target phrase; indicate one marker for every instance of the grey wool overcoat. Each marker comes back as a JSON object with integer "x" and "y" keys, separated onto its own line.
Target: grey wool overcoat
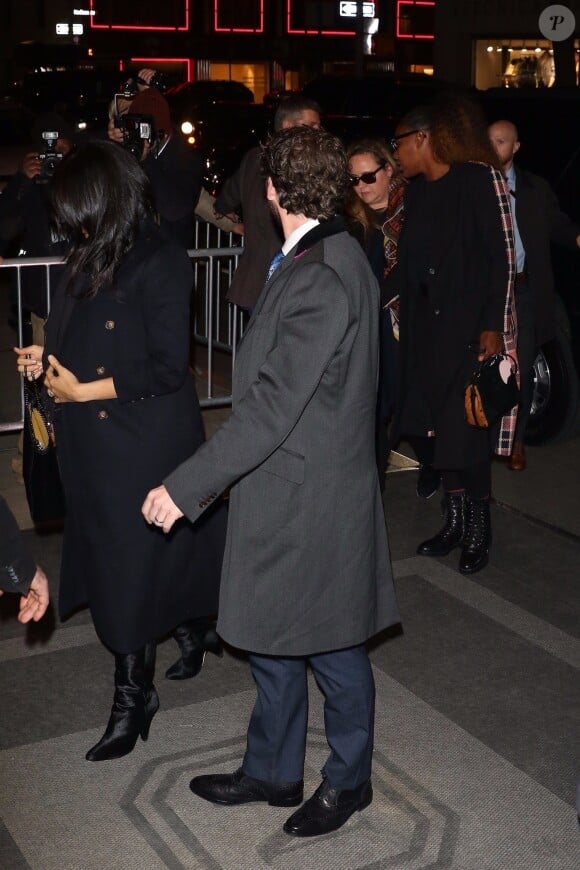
{"x": 306, "y": 567}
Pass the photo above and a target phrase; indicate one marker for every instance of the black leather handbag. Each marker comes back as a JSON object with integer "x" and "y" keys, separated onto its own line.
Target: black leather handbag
{"x": 42, "y": 482}
{"x": 491, "y": 392}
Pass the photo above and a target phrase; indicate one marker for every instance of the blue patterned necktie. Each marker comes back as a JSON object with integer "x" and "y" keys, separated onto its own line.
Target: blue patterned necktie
{"x": 276, "y": 260}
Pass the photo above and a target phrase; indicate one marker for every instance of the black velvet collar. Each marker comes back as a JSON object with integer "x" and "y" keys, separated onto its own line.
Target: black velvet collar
{"x": 322, "y": 231}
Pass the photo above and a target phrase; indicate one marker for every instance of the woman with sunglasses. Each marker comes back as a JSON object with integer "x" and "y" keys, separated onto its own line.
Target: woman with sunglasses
{"x": 455, "y": 277}
{"x": 374, "y": 209}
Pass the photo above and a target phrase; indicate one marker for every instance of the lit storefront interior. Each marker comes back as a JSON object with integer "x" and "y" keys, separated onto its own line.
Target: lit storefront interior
{"x": 516, "y": 63}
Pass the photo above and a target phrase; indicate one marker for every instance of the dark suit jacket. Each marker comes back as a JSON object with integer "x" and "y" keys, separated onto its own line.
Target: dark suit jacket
{"x": 17, "y": 567}
{"x": 540, "y": 222}
{"x": 245, "y": 192}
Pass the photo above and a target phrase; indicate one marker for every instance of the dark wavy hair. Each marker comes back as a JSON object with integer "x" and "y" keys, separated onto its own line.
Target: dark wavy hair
{"x": 459, "y": 131}
{"x": 308, "y": 168}
{"x": 98, "y": 196}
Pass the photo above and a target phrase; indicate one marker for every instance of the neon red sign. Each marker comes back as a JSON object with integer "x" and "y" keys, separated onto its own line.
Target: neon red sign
{"x": 222, "y": 28}
{"x": 402, "y": 17}
{"x": 182, "y": 13}
{"x": 303, "y": 31}
{"x": 154, "y": 60}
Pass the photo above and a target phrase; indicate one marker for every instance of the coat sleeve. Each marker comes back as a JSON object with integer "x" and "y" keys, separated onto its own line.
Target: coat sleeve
{"x": 494, "y": 227}
{"x": 311, "y": 327}
{"x": 17, "y": 567}
{"x": 229, "y": 198}
{"x": 164, "y": 294}
{"x": 563, "y": 230}
{"x": 13, "y": 205}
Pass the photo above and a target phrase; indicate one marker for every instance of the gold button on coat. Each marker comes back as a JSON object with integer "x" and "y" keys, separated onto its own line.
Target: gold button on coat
{"x": 103, "y": 415}
{"x": 109, "y": 324}
{"x": 100, "y": 370}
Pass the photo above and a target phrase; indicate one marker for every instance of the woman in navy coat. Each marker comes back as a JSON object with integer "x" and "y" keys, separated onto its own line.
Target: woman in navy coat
{"x": 126, "y": 411}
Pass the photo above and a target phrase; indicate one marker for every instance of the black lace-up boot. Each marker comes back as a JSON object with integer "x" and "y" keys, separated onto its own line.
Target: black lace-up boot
{"x": 477, "y": 540}
{"x": 451, "y": 535}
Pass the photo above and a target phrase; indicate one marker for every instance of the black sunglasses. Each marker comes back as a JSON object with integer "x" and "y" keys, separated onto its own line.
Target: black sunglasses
{"x": 366, "y": 177}
{"x": 394, "y": 143}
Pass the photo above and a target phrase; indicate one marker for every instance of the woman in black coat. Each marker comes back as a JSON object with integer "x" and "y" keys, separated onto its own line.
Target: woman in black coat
{"x": 126, "y": 412}
{"x": 455, "y": 277}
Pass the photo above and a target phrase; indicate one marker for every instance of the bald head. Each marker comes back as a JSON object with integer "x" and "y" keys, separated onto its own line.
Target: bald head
{"x": 503, "y": 135}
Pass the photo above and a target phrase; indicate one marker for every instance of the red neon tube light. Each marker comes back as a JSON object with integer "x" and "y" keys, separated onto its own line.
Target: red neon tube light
{"x": 401, "y": 3}
{"x": 218, "y": 29}
{"x": 164, "y": 27}
{"x": 289, "y": 28}
{"x": 153, "y": 60}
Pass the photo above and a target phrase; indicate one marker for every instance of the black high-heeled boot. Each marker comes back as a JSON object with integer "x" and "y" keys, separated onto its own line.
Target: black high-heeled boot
{"x": 477, "y": 540}
{"x": 451, "y": 535}
{"x": 134, "y": 704}
{"x": 195, "y": 638}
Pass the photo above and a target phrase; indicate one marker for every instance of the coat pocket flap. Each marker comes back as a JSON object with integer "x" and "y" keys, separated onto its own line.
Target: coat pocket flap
{"x": 290, "y": 466}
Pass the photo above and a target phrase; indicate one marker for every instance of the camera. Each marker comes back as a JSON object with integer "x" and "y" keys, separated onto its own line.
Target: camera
{"x": 49, "y": 158}
{"x": 136, "y": 129}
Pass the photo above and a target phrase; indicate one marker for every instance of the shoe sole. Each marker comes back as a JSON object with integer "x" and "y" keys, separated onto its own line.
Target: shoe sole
{"x": 277, "y": 802}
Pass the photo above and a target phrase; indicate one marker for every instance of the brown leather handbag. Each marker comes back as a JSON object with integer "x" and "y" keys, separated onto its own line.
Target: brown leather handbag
{"x": 491, "y": 392}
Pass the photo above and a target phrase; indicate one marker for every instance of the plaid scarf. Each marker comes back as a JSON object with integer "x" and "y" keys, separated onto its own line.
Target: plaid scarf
{"x": 393, "y": 222}
{"x": 507, "y": 430}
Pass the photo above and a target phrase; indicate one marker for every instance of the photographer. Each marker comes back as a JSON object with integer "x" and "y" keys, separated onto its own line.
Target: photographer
{"x": 175, "y": 172}
{"x": 24, "y": 223}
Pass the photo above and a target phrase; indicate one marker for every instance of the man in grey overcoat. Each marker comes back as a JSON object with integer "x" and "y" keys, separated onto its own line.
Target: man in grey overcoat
{"x": 306, "y": 576}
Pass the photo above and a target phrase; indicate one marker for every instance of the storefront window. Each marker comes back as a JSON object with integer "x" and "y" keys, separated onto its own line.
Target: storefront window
{"x": 516, "y": 63}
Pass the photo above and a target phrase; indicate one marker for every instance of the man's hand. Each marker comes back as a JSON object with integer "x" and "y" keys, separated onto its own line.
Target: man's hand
{"x": 33, "y": 606}
{"x": 490, "y": 343}
{"x": 61, "y": 384}
{"x": 160, "y": 510}
{"x": 114, "y": 133}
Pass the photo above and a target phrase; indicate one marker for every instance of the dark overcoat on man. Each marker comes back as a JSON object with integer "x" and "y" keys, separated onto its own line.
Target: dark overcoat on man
{"x": 138, "y": 583}
{"x": 306, "y": 567}
{"x": 541, "y": 222}
{"x": 245, "y": 191}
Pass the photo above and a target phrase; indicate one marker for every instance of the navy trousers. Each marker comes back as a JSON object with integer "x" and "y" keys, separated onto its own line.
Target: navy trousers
{"x": 276, "y": 743}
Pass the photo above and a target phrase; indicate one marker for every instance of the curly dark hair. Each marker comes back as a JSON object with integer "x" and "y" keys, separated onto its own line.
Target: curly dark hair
{"x": 98, "y": 196}
{"x": 308, "y": 168}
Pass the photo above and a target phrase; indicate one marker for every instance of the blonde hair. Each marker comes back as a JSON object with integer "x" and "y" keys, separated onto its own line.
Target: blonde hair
{"x": 357, "y": 211}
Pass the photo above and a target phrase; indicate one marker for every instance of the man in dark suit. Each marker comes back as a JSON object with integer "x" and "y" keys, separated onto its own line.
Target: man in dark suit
{"x": 537, "y": 221}
{"x": 306, "y": 576}
{"x": 244, "y": 192}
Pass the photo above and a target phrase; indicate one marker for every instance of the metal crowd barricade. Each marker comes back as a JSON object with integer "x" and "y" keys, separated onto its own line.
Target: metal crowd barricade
{"x": 217, "y": 325}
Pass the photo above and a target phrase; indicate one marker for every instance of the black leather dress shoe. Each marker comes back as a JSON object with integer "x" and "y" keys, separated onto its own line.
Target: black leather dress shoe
{"x": 230, "y": 789}
{"x": 328, "y": 809}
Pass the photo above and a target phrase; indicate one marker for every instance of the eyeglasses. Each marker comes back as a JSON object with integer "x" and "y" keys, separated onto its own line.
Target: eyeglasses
{"x": 394, "y": 143}
{"x": 366, "y": 177}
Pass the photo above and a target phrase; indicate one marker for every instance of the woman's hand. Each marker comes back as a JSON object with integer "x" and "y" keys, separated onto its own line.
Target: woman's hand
{"x": 61, "y": 384}
{"x": 29, "y": 362}
{"x": 490, "y": 343}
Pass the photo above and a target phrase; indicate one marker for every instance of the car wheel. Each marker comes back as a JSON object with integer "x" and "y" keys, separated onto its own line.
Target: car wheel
{"x": 555, "y": 400}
